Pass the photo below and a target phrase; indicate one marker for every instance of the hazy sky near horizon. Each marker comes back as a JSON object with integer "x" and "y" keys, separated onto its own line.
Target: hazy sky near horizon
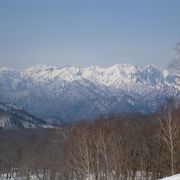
{"x": 88, "y": 32}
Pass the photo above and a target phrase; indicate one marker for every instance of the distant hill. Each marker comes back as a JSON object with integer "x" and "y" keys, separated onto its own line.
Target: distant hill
{"x": 12, "y": 117}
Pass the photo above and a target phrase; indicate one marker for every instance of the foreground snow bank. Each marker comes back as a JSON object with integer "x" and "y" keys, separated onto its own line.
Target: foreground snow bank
{"x": 175, "y": 177}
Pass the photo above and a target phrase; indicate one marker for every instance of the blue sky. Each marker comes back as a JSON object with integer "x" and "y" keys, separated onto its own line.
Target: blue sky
{"x": 88, "y": 32}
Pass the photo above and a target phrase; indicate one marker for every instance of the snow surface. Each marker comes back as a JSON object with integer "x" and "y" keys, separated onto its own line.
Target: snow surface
{"x": 175, "y": 177}
{"x": 33, "y": 177}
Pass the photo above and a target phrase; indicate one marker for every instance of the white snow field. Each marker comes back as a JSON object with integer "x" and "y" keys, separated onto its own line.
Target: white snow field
{"x": 175, "y": 177}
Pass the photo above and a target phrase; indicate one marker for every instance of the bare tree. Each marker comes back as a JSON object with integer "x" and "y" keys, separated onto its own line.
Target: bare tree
{"x": 169, "y": 131}
{"x": 117, "y": 147}
{"x": 174, "y": 65}
{"x": 79, "y": 150}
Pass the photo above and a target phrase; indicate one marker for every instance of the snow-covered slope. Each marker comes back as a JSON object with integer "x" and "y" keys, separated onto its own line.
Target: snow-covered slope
{"x": 13, "y": 117}
{"x": 175, "y": 177}
{"x": 70, "y": 93}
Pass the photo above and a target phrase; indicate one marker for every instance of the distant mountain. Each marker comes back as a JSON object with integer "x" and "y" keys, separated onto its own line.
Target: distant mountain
{"x": 12, "y": 117}
{"x": 71, "y": 93}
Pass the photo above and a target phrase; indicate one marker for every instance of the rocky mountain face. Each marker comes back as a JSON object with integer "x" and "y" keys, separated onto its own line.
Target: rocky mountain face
{"x": 72, "y": 93}
{"x": 12, "y": 117}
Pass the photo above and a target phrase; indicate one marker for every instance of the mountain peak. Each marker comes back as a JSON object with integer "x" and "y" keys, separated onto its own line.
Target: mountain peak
{"x": 5, "y": 69}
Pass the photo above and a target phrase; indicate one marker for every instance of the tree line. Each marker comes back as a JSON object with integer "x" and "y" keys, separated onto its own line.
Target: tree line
{"x": 117, "y": 147}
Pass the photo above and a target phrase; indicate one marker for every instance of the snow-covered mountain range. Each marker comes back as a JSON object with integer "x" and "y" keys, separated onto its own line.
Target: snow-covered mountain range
{"x": 71, "y": 93}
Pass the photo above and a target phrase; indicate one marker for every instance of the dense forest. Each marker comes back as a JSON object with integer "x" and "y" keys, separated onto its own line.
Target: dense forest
{"x": 116, "y": 147}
